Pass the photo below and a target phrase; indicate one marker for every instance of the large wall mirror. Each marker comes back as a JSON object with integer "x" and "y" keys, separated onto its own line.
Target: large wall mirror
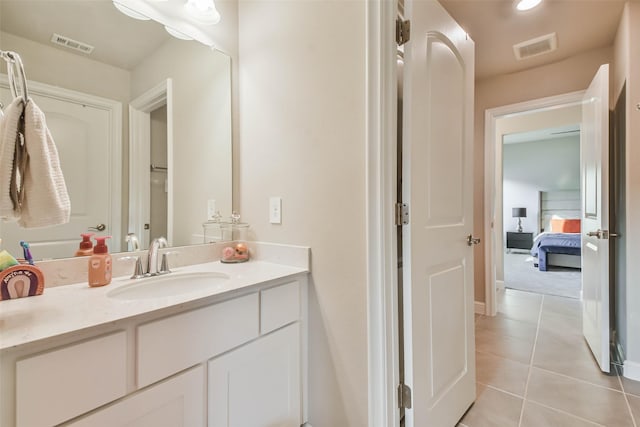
{"x": 142, "y": 123}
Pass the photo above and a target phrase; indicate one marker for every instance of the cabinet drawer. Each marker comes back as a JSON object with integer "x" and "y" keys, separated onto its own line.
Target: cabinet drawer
{"x": 61, "y": 384}
{"x": 176, "y": 402}
{"x": 178, "y": 342}
{"x": 278, "y": 306}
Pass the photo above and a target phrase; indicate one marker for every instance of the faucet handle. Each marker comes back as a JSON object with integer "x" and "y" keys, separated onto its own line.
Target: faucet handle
{"x": 164, "y": 266}
{"x": 138, "y": 272}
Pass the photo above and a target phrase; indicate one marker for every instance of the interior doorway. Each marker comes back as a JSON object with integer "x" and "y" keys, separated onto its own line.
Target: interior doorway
{"x": 548, "y": 113}
{"x": 541, "y": 193}
{"x": 150, "y": 161}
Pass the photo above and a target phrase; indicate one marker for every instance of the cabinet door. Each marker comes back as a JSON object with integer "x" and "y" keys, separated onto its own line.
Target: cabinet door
{"x": 178, "y": 401}
{"x": 259, "y": 384}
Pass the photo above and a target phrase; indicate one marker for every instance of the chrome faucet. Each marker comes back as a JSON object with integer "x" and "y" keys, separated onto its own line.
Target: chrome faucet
{"x": 132, "y": 239}
{"x": 152, "y": 256}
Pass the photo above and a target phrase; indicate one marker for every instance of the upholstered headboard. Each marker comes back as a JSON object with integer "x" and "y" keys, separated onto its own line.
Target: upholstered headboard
{"x": 561, "y": 204}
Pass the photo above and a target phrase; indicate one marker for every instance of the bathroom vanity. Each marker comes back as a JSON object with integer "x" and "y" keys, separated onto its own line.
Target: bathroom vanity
{"x": 230, "y": 354}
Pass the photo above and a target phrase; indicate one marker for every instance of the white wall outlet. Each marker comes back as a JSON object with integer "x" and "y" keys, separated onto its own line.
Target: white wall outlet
{"x": 211, "y": 209}
{"x": 275, "y": 210}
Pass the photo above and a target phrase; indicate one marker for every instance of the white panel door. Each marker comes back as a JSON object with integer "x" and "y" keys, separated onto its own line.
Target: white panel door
{"x": 83, "y": 136}
{"x": 595, "y": 216}
{"x": 437, "y": 185}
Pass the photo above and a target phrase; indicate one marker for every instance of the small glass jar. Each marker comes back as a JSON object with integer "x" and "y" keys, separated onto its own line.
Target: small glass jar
{"x": 238, "y": 250}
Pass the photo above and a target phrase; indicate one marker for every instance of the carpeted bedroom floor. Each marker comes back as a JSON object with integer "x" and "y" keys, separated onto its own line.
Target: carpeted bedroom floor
{"x": 519, "y": 273}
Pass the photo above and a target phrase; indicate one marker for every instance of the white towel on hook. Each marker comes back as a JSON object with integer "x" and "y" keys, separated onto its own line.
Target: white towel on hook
{"x": 8, "y": 135}
{"x": 46, "y": 201}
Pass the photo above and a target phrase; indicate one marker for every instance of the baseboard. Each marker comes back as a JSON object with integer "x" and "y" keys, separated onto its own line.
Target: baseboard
{"x": 479, "y": 307}
{"x": 631, "y": 370}
{"x": 499, "y": 285}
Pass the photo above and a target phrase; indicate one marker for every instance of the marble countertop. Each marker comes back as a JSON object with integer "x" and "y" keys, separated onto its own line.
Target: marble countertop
{"x": 71, "y": 308}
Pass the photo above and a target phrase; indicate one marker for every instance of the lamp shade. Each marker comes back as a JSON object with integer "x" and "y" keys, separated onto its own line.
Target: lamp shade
{"x": 519, "y": 212}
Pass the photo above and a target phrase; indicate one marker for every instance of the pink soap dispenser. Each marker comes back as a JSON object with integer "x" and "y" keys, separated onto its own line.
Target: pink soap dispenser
{"x": 100, "y": 263}
{"x": 86, "y": 246}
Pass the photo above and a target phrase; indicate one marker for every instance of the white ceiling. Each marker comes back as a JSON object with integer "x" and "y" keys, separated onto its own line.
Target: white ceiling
{"x": 119, "y": 40}
{"x": 496, "y": 25}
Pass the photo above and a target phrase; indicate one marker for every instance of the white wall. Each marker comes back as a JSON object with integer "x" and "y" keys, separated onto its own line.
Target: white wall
{"x": 531, "y": 167}
{"x": 302, "y": 137}
{"x": 201, "y": 129}
{"x": 627, "y": 69}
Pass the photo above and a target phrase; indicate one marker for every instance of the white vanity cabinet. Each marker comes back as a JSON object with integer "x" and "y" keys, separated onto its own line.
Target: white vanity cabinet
{"x": 239, "y": 360}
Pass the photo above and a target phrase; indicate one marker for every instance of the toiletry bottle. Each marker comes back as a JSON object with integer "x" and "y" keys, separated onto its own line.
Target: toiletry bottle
{"x": 100, "y": 263}
{"x": 86, "y": 246}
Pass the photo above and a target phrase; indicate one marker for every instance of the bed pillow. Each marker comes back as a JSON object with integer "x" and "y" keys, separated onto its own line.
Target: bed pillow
{"x": 565, "y": 225}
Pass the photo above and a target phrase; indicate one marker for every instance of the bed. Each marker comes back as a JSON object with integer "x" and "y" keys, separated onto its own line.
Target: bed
{"x": 557, "y": 249}
{"x": 559, "y": 242}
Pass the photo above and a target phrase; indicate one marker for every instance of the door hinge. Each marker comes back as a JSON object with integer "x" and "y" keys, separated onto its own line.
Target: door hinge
{"x": 404, "y": 396}
{"x": 403, "y": 31}
{"x": 402, "y": 214}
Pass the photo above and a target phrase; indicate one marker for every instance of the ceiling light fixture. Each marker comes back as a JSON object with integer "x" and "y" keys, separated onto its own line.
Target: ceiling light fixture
{"x": 203, "y": 11}
{"x": 523, "y": 5}
{"x": 177, "y": 34}
{"x": 130, "y": 12}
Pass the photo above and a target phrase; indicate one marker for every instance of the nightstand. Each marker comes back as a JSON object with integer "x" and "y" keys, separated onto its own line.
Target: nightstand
{"x": 517, "y": 240}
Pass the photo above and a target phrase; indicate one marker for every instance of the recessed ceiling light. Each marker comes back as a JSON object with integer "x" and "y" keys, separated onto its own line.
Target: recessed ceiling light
{"x": 527, "y": 4}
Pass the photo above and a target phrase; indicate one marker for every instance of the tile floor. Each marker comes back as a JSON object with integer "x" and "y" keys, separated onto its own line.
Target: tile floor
{"x": 534, "y": 369}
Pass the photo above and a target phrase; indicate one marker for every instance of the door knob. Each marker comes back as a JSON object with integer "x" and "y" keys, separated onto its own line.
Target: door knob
{"x": 602, "y": 234}
{"x": 597, "y": 233}
{"x": 99, "y": 227}
{"x": 472, "y": 240}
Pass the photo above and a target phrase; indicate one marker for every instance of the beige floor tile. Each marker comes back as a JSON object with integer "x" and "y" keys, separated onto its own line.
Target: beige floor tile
{"x": 563, "y": 306}
{"x": 568, "y": 325}
{"x": 569, "y": 354}
{"x": 630, "y": 386}
{"x": 517, "y": 305}
{"x": 505, "y": 374}
{"x": 587, "y": 401}
{"x": 493, "y": 408}
{"x": 508, "y": 347}
{"x": 634, "y": 403}
{"x": 516, "y": 296}
{"x": 535, "y": 415}
{"x": 507, "y": 327}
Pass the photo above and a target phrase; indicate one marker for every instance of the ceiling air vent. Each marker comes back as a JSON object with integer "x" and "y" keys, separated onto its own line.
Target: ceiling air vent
{"x": 71, "y": 43}
{"x": 534, "y": 47}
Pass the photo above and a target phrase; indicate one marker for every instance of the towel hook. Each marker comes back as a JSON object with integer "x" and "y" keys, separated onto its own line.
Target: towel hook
{"x": 15, "y": 69}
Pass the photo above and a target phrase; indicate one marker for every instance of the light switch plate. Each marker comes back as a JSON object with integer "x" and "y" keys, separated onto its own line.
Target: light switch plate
{"x": 275, "y": 210}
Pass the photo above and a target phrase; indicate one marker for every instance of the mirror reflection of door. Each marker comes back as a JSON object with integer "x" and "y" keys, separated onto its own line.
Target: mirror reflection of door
{"x": 84, "y": 131}
{"x": 158, "y": 183}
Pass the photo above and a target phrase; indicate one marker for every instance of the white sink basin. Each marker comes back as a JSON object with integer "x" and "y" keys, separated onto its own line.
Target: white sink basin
{"x": 169, "y": 285}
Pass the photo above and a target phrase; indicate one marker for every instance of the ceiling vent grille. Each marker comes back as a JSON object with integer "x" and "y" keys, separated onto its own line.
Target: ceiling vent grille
{"x": 71, "y": 43}
{"x": 534, "y": 47}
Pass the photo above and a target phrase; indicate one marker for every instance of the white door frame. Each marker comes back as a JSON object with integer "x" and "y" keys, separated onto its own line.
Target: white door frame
{"x": 382, "y": 269}
{"x": 114, "y": 110}
{"x": 493, "y": 180}
{"x": 140, "y": 158}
